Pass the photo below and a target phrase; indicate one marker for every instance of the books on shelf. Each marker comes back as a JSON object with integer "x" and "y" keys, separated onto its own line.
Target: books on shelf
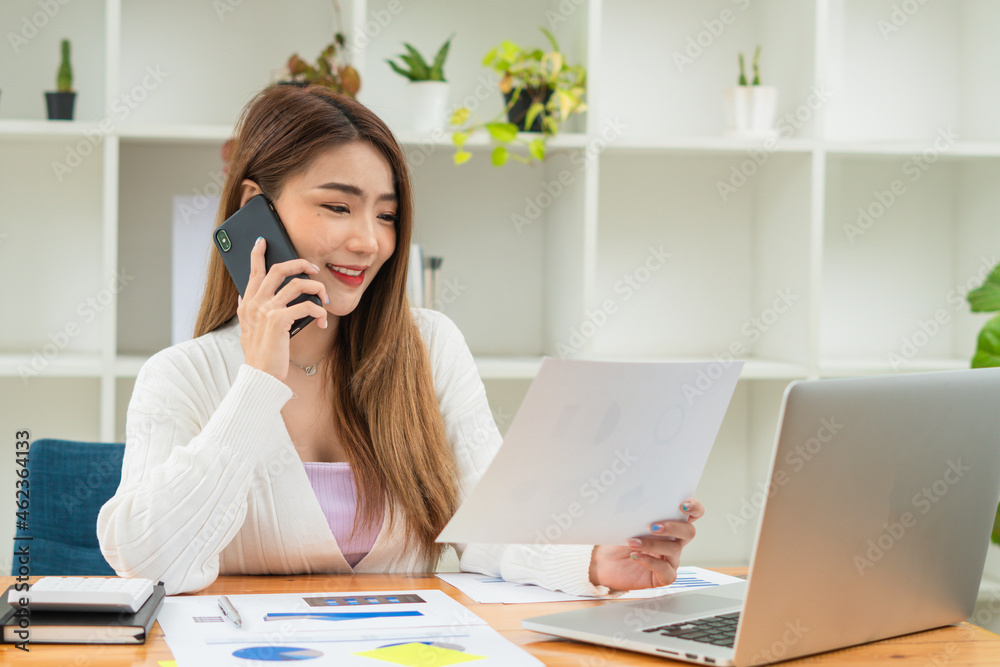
{"x": 79, "y": 627}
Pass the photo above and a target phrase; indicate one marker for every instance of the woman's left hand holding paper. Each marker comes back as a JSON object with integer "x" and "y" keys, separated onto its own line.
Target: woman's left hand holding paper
{"x": 646, "y": 561}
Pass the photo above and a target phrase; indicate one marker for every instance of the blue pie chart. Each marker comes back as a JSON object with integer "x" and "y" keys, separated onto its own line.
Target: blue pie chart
{"x": 277, "y": 653}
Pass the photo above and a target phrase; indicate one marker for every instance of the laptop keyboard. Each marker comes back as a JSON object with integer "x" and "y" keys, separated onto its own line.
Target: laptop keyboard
{"x": 718, "y": 630}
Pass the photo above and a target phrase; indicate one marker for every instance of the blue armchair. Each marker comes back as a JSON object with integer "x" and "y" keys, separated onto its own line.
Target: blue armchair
{"x": 68, "y": 483}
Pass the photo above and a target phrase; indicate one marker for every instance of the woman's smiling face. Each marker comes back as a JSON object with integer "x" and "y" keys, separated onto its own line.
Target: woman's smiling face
{"x": 341, "y": 215}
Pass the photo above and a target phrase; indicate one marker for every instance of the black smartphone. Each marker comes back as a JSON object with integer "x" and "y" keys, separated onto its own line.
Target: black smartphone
{"x": 236, "y": 237}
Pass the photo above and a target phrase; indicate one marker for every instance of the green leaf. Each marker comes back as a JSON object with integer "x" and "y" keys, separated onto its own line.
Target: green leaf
{"x": 515, "y": 95}
{"x": 460, "y": 116}
{"x": 462, "y": 157}
{"x": 509, "y": 51}
{"x": 988, "y": 350}
{"x": 552, "y": 40}
{"x": 399, "y": 70}
{"x": 416, "y": 55}
{"x": 502, "y": 132}
{"x": 500, "y": 155}
{"x": 566, "y": 104}
{"x": 756, "y": 67}
{"x": 552, "y": 64}
{"x": 986, "y": 297}
{"x": 458, "y": 138}
{"x": 533, "y": 111}
{"x": 417, "y": 66}
{"x": 437, "y": 69}
{"x": 537, "y": 149}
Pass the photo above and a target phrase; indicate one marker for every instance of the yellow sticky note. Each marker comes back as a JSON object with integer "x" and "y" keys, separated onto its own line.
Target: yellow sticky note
{"x": 167, "y": 663}
{"x": 416, "y": 654}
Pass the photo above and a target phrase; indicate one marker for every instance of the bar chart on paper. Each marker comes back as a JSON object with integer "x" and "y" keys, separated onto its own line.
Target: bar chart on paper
{"x": 425, "y": 627}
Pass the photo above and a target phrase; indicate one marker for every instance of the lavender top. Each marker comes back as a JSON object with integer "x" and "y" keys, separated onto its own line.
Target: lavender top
{"x": 333, "y": 484}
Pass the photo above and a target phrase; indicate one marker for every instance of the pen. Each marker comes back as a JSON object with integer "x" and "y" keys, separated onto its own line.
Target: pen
{"x": 336, "y": 615}
{"x": 229, "y": 611}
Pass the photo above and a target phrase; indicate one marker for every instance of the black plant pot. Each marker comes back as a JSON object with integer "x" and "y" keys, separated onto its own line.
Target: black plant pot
{"x": 60, "y": 105}
{"x": 518, "y": 113}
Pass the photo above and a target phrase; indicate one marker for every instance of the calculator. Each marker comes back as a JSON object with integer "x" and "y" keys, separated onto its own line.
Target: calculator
{"x": 109, "y": 594}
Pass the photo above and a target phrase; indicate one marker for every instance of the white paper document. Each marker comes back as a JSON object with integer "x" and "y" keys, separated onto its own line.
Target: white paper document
{"x": 486, "y": 589}
{"x": 597, "y": 451}
{"x": 344, "y": 628}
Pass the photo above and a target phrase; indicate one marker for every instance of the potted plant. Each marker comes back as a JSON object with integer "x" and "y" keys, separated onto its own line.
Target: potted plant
{"x": 751, "y": 109}
{"x": 986, "y": 299}
{"x": 60, "y": 102}
{"x": 428, "y": 89}
{"x": 541, "y": 91}
{"x": 331, "y": 68}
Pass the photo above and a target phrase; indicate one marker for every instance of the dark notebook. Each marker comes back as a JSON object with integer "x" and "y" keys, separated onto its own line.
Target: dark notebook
{"x": 79, "y": 627}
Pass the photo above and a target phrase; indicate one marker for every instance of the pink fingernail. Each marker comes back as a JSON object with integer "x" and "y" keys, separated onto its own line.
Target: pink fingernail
{"x": 635, "y": 542}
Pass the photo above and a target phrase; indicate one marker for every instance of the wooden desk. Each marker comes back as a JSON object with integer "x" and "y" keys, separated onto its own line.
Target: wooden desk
{"x": 964, "y": 645}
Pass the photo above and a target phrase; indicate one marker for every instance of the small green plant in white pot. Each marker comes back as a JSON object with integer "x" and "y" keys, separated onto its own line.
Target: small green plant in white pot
{"x": 428, "y": 87}
{"x": 751, "y": 108}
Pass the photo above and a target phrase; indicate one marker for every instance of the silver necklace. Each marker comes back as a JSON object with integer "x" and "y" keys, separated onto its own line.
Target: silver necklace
{"x": 310, "y": 370}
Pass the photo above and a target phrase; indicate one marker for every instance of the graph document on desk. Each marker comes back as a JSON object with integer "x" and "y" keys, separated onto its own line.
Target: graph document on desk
{"x": 413, "y": 627}
{"x": 485, "y": 589}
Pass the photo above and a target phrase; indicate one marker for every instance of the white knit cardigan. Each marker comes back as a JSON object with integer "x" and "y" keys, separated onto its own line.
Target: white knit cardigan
{"x": 212, "y": 484}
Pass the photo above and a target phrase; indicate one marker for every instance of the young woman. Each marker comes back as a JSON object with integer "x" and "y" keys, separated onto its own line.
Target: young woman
{"x": 349, "y": 446}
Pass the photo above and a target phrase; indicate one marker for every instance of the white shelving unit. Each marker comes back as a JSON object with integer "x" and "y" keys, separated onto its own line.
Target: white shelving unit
{"x": 643, "y": 252}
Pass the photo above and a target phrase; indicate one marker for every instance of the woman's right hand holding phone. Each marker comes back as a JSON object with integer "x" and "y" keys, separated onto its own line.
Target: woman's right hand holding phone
{"x": 266, "y": 318}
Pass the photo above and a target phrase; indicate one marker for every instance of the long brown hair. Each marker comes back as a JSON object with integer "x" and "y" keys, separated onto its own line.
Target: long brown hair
{"x": 379, "y": 380}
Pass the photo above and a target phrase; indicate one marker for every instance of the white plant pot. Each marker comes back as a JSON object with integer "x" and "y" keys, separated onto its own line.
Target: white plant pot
{"x": 751, "y": 111}
{"x": 428, "y": 102}
{"x": 764, "y": 102}
{"x": 738, "y": 110}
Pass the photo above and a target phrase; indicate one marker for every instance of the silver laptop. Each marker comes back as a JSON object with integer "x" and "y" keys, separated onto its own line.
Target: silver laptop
{"x": 882, "y": 496}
